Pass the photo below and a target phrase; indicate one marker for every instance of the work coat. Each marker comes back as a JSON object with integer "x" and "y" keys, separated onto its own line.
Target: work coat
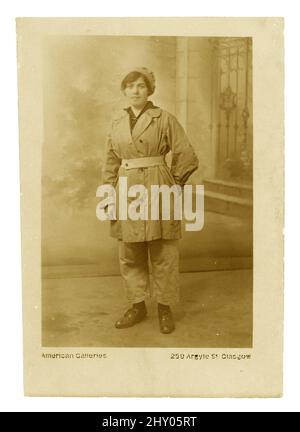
{"x": 155, "y": 133}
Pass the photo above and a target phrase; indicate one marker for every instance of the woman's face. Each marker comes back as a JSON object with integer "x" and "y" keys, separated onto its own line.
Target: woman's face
{"x": 137, "y": 93}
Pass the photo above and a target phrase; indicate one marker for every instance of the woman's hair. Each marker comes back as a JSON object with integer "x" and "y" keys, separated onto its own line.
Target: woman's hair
{"x": 133, "y": 76}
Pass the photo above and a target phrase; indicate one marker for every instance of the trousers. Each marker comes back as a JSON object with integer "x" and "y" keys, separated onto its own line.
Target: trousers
{"x": 163, "y": 256}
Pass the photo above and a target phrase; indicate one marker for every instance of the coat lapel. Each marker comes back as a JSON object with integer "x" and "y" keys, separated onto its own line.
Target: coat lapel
{"x": 122, "y": 120}
{"x": 144, "y": 121}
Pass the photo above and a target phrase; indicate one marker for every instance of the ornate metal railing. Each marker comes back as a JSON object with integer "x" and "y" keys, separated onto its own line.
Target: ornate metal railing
{"x": 231, "y": 107}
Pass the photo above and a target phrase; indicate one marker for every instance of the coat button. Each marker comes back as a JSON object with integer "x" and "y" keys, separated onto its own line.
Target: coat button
{"x": 141, "y": 141}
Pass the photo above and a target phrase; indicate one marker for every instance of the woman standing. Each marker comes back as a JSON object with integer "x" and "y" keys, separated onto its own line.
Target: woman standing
{"x": 141, "y": 136}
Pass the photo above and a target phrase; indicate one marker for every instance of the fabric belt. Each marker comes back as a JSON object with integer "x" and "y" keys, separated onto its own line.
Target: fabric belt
{"x": 143, "y": 162}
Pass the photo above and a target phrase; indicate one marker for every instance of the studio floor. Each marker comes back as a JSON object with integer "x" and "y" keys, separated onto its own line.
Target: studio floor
{"x": 215, "y": 311}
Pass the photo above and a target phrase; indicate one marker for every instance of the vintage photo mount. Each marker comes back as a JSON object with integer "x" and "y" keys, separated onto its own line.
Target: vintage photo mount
{"x": 161, "y": 372}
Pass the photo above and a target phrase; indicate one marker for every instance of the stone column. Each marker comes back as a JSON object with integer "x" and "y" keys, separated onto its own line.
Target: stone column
{"x": 182, "y": 80}
{"x": 194, "y": 99}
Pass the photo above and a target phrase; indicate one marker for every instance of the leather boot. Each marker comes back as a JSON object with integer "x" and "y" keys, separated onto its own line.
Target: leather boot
{"x": 132, "y": 316}
{"x": 165, "y": 318}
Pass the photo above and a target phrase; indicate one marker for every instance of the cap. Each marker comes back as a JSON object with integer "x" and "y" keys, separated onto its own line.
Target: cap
{"x": 147, "y": 74}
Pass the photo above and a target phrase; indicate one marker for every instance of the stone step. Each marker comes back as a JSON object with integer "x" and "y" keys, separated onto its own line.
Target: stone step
{"x": 228, "y": 205}
{"x": 229, "y": 188}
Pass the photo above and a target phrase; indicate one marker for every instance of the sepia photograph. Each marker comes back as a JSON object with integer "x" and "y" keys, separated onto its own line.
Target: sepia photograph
{"x": 178, "y": 110}
{"x": 152, "y": 218}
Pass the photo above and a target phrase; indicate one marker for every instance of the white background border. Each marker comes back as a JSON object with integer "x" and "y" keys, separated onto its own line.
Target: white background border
{"x": 11, "y": 389}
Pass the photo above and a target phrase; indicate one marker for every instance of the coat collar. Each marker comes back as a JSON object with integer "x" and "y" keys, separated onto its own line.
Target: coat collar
{"x": 142, "y": 123}
{"x": 148, "y": 105}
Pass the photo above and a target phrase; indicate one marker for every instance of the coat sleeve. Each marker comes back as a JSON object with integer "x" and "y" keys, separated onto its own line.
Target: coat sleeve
{"x": 112, "y": 163}
{"x": 184, "y": 159}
